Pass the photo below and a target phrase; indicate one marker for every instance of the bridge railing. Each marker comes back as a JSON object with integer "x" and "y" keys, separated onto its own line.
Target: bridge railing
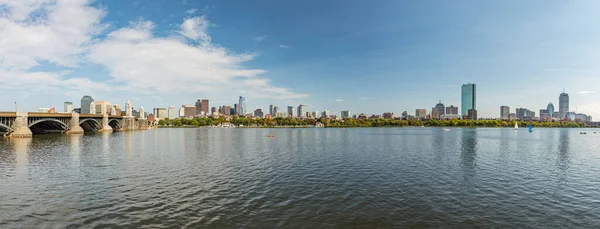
{"x": 8, "y": 114}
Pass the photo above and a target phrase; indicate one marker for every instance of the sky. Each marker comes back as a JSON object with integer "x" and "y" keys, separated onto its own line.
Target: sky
{"x": 363, "y": 56}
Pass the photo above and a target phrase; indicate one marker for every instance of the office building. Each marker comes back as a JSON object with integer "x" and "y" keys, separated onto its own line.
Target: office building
{"x": 388, "y": 115}
{"x": 441, "y": 110}
{"x": 468, "y": 98}
{"x": 232, "y": 111}
{"x": 198, "y": 106}
{"x": 504, "y": 112}
{"x": 345, "y": 114}
{"x": 545, "y": 115}
{"x": 315, "y": 114}
{"x": 77, "y": 110}
{"x": 524, "y": 114}
{"x": 301, "y": 110}
{"x": 92, "y": 108}
{"x": 421, "y": 113}
{"x": 258, "y": 113}
{"x": 103, "y": 107}
{"x": 227, "y": 110}
{"x": 435, "y": 113}
{"x": 563, "y": 104}
{"x": 116, "y": 110}
{"x": 290, "y": 111}
{"x": 160, "y": 113}
{"x": 271, "y": 110}
{"x": 452, "y": 110}
{"x": 213, "y": 110}
{"x": 472, "y": 113}
{"x": 512, "y": 116}
{"x": 236, "y": 107}
{"x": 242, "y": 106}
{"x": 204, "y": 106}
{"x": 325, "y": 114}
{"x": 404, "y": 115}
{"x": 171, "y": 113}
{"x": 85, "y": 104}
{"x": 550, "y": 109}
{"x": 182, "y": 112}
{"x": 189, "y": 110}
{"x": 68, "y": 107}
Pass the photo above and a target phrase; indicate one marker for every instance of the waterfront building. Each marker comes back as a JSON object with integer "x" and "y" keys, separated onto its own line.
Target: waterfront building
{"x": 345, "y": 114}
{"x": 325, "y": 114}
{"x": 68, "y": 107}
{"x": 441, "y": 110}
{"x": 421, "y": 113}
{"x": 435, "y": 113}
{"x": 404, "y": 115}
{"x": 290, "y": 110}
{"x": 545, "y": 115}
{"x": 236, "y": 108}
{"x": 242, "y": 106}
{"x": 198, "y": 106}
{"x": 468, "y": 98}
{"x": 315, "y": 114}
{"x": 452, "y": 110}
{"x": 550, "y": 109}
{"x": 85, "y": 104}
{"x": 232, "y": 111}
{"x": 275, "y": 110}
{"x": 204, "y": 106}
{"x": 189, "y": 110}
{"x": 271, "y": 110}
{"x": 504, "y": 112}
{"x": 92, "y": 108}
{"x": 563, "y": 104}
{"x": 182, "y": 112}
{"x": 226, "y": 110}
{"x": 213, "y": 110}
{"x": 103, "y": 107}
{"x": 512, "y": 116}
{"x": 472, "y": 113}
{"x": 258, "y": 113}
{"x": 301, "y": 110}
{"x": 450, "y": 116}
{"x": 171, "y": 113}
{"x": 388, "y": 115}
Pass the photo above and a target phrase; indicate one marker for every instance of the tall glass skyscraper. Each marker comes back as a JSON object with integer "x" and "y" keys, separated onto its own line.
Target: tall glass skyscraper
{"x": 85, "y": 104}
{"x": 242, "y": 106}
{"x": 563, "y": 104}
{"x": 468, "y": 98}
{"x": 550, "y": 109}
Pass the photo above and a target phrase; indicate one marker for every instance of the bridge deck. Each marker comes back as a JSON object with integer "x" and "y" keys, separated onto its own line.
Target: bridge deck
{"x": 54, "y": 115}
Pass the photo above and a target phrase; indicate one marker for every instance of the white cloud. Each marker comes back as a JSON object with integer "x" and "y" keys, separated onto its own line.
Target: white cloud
{"x": 339, "y": 100}
{"x": 65, "y": 36}
{"x": 195, "y": 28}
{"x": 363, "y": 98}
{"x": 191, "y": 11}
{"x": 260, "y": 38}
{"x": 587, "y": 92}
{"x": 284, "y": 46}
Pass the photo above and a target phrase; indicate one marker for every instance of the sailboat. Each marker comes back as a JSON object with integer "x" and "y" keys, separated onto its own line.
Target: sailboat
{"x": 530, "y": 128}
{"x": 516, "y": 125}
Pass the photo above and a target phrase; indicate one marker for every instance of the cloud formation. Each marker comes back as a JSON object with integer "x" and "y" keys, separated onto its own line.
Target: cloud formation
{"x": 70, "y": 34}
{"x": 284, "y": 47}
{"x": 339, "y": 100}
{"x": 587, "y": 92}
{"x": 260, "y": 38}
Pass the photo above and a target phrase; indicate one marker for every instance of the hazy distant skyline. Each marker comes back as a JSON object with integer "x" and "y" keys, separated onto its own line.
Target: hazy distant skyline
{"x": 371, "y": 57}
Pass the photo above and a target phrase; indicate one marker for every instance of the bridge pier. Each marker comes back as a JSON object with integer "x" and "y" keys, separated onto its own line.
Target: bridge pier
{"x": 142, "y": 124}
{"x": 128, "y": 123}
{"x": 105, "y": 126}
{"x": 21, "y": 128}
{"x": 74, "y": 127}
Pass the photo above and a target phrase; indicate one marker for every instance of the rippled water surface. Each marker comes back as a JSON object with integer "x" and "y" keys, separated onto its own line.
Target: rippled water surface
{"x": 302, "y": 178}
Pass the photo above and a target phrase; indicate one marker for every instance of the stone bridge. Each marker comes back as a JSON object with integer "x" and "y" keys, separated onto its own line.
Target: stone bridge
{"x": 25, "y": 124}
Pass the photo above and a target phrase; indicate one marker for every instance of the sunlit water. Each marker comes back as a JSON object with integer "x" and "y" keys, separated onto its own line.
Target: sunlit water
{"x": 303, "y": 178}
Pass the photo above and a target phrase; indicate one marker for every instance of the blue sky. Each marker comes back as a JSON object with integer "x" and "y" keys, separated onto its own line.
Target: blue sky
{"x": 363, "y": 56}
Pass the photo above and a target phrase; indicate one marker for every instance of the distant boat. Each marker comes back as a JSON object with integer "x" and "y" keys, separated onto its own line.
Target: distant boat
{"x": 530, "y": 127}
{"x": 446, "y": 129}
{"x": 516, "y": 125}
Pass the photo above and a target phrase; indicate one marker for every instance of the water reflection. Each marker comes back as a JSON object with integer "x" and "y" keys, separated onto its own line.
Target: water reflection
{"x": 468, "y": 155}
{"x": 563, "y": 160}
{"x": 75, "y": 143}
{"x": 21, "y": 148}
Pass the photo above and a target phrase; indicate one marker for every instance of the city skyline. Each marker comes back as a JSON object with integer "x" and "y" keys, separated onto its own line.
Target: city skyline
{"x": 393, "y": 62}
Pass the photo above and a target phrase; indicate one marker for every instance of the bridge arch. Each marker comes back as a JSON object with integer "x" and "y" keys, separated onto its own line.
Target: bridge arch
{"x": 115, "y": 124}
{"x": 5, "y": 128}
{"x": 47, "y": 125}
{"x": 90, "y": 125}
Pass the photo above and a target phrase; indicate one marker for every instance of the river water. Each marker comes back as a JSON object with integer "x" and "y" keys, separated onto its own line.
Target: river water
{"x": 303, "y": 178}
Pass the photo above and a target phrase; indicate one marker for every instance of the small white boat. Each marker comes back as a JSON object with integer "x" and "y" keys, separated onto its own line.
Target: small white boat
{"x": 446, "y": 129}
{"x": 516, "y": 125}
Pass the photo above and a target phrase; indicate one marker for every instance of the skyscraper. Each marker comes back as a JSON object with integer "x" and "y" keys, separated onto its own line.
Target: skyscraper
{"x": 198, "y": 106}
{"x": 441, "y": 110}
{"x": 242, "y": 106}
{"x": 189, "y": 110}
{"x": 271, "y": 110}
{"x": 236, "y": 109}
{"x": 550, "y": 109}
{"x": 85, "y": 104}
{"x": 345, "y": 114}
{"x": 563, "y": 104}
{"x": 504, "y": 112}
{"x": 452, "y": 110}
{"x": 468, "y": 98}
{"x": 275, "y": 110}
{"x": 68, "y": 107}
{"x": 204, "y": 106}
{"x": 291, "y": 111}
{"x": 171, "y": 113}
{"x": 420, "y": 113}
{"x": 301, "y": 110}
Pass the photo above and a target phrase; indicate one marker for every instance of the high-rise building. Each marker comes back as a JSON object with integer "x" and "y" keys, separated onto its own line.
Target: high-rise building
{"x": 441, "y": 110}
{"x": 204, "y": 106}
{"x": 345, "y": 114}
{"x": 544, "y": 115}
{"x": 421, "y": 113}
{"x": 271, "y": 112}
{"x": 405, "y": 114}
{"x": 472, "y": 113}
{"x": 452, "y": 110}
{"x": 315, "y": 114}
{"x": 291, "y": 111}
{"x": 468, "y": 98}
{"x": 213, "y": 110}
{"x": 182, "y": 112}
{"x": 325, "y": 114}
{"x": 242, "y": 106}
{"x": 435, "y": 113}
{"x": 68, "y": 107}
{"x": 236, "y": 107}
{"x": 504, "y": 112}
{"x": 258, "y": 113}
{"x": 226, "y": 110}
{"x": 232, "y": 111}
{"x": 103, "y": 107}
{"x": 524, "y": 114}
{"x": 275, "y": 110}
{"x": 563, "y": 104}
{"x": 550, "y": 109}
{"x": 198, "y": 106}
{"x": 160, "y": 113}
{"x": 85, "y": 104}
{"x": 171, "y": 113}
{"x": 92, "y": 108}
{"x": 301, "y": 110}
{"x": 388, "y": 115}
{"x": 189, "y": 110}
